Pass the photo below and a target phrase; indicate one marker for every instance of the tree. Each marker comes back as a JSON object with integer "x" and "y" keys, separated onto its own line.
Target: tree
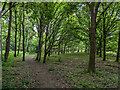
{"x": 15, "y": 32}
{"x": 118, "y": 52}
{"x": 104, "y": 36}
{"x": 20, "y": 17}
{"x": 93, "y": 15}
{"x": 93, "y": 7}
{"x": 23, "y": 35}
{"x": 8, "y": 37}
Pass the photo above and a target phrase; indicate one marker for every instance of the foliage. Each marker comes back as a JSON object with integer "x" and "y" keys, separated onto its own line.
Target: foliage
{"x": 51, "y": 68}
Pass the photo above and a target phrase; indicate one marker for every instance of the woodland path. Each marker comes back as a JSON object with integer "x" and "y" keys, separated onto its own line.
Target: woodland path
{"x": 39, "y": 75}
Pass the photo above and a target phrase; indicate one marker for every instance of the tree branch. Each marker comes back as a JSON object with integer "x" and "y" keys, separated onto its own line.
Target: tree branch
{"x": 88, "y": 4}
{"x": 103, "y": 13}
{"x": 9, "y": 9}
{"x": 3, "y": 7}
{"x": 96, "y": 8}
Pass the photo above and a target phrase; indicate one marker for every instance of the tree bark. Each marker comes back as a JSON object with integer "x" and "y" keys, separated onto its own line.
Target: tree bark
{"x": 40, "y": 46}
{"x": 91, "y": 66}
{"x": 100, "y": 55}
{"x": 20, "y": 33}
{"x": 78, "y": 49}
{"x": 23, "y": 35}
{"x": 49, "y": 53}
{"x": 104, "y": 39}
{"x": 64, "y": 48}
{"x": 118, "y": 52}
{"x": 15, "y": 32}
{"x": 37, "y": 55}
{"x": 59, "y": 48}
{"x": 8, "y": 37}
{"x": 45, "y": 51}
{"x": 27, "y": 42}
{"x": 30, "y": 44}
{"x": 85, "y": 48}
{"x": 97, "y": 50}
{"x": 40, "y": 43}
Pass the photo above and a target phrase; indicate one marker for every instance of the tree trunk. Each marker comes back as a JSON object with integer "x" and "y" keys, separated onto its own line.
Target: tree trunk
{"x": 100, "y": 55}
{"x": 40, "y": 44}
{"x": 8, "y": 37}
{"x": 15, "y": 32}
{"x": 78, "y": 50}
{"x": 23, "y": 35}
{"x": 118, "y": 52}
{"x": 1, "y": 48}
{"x": 30, "y": 44}
{"x": 64, "y": 48}
{"x": 59, "y": 48}
{"x": 37, "y": 55}
{"x": 91, "y": 66}
{"x": 49, "y": 53}
{"x": 85, "y": 49}
{"x": 104, "y": 39}
{"x": 45, "y": 51}
{"x": 20, "y": 33}
{"x": 27, "y": 42}
{"x": 97, "y": 50}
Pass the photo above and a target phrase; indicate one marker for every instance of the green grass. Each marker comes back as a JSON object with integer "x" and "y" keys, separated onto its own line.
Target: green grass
{"x": 11, "y": 54}
{"x": 67, "y": 57}
{"x": 110, "y": 56}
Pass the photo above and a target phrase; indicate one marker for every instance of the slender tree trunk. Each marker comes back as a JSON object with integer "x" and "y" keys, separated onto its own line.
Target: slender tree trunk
{"x": 40, "y": 46}
{"x": 91, "y": 66}
{"x": 30, "y": 44}
{"x": 85, "y": 49}
{"x": 37, "y": 55}
{"x": 97, "y": 50}
{"x": 15, "y": 32}
{"x": 59, "y": 48}
{"x": 8, "y": 37}
{"x": 27, "y": 42}
{"x": 104, "y": 39}
{"x": 118, "y": 52}
{"x": 49, "y": 53}
{"x": 68, "y": 49}
{"x": 45, "y": 51}
{"x": 23, "y": 35}
{"x": 64, "y": 48}
{"x": 78, "y": 49}
{"x": 20, "y": 33}
{"x": 19, "y": 40}
{"x": 100, "y": 55}
{"x": 1, "y": 48}
{"x": 30, "y": 48}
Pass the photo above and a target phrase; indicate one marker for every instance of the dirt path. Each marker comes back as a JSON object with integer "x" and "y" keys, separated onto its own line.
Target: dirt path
{"x": 39, "y": 76}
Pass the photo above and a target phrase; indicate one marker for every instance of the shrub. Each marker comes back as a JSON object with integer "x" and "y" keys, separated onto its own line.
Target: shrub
{"x": 51, "y": 68}
{"x": 59, "y": 59}
{"x": 25, "y": 81}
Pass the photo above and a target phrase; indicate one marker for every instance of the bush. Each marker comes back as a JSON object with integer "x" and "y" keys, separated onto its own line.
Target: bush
{"x": 51, "y": 68}
{"x": 48, "y": 58}
{"x": 59, "y": 59}
{"x": 25, "y": 81}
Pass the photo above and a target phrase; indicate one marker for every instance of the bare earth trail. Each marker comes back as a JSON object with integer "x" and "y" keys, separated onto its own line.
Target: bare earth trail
{"x": 39, "y": 76}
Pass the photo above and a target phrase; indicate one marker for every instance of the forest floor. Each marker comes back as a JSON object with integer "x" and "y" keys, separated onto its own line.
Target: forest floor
{"x": 63, "y": 71}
